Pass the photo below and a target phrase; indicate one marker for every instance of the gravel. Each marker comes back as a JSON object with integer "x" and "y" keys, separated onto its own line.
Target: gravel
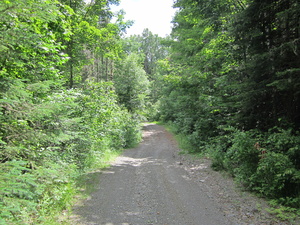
{"x": 154, "y": 184}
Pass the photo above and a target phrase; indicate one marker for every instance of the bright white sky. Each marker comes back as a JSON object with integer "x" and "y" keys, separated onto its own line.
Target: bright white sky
{"x": 156, "y": 15}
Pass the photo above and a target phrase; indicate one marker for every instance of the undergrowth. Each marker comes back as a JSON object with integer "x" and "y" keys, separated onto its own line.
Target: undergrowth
{"x": 284, "y": 213}
{"x": 48, "y": 142}
{"x": 264, "y": 163}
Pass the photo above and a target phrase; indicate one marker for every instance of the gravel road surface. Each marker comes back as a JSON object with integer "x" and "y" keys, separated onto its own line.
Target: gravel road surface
{"x": 152, "y": 184}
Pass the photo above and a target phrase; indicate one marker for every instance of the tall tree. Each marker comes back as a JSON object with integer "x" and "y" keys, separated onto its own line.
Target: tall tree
{"x": 29, "y": 45}
{"x": 91, "y": 34}
{"x": 150, "y": 46}
{"x": 131, "y": 83}
{"x": 232, "y": 87}
{"x": 199, "y": 56}
{"x": 270, "y": 32}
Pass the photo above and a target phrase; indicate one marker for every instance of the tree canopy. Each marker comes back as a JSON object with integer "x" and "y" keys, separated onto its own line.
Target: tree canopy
{"x": 231, "y": 86}
{"x": 59, "y": 113}
{"x": 74, "y": 90}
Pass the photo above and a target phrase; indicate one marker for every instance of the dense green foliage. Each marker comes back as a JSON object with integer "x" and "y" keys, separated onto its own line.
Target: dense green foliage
{"x": 146, "y": 55}
{"x": 46, "y": 142}
{"x": 131, "y": 83}
{"x": 231, "y": 85}
{"x": 73, "y": 90}
{"x": 51, "y": 134}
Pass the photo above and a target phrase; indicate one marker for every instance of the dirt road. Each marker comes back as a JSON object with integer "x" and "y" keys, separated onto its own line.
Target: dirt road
{"x": 151, "y": 185}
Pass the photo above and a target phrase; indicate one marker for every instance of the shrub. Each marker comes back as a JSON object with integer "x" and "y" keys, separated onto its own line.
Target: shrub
{"x": 51, "y": 136}
{"x": 267, "y": 163}
{"x": 277, "y": 178}
{"x": 18, "y": 199}
{"x": 242, "y": 158}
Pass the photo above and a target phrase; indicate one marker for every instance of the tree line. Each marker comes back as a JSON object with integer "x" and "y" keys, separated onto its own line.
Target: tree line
{"x": 71, "y": 96}
{"x": 231, "y": 85}
{"x": 74, "y": 90}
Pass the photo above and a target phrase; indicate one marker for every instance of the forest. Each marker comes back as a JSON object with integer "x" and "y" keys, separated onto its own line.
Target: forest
{"x": 75, "y": 90}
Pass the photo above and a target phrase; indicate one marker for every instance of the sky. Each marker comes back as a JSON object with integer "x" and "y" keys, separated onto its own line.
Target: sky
{"x": 156, "y": 15}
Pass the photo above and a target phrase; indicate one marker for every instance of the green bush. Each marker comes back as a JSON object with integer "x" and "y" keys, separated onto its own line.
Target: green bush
{"x": 275, "y": 176}
{"x": 29, "y": 196}
{"x": 266, "y": 163}
{"x": 18, "y": 199}
{"x": 49, "y": 137}
{"x": 217, "y": 147}
{"x": 242, "y": 157}
{"x": 286, "y": 142}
